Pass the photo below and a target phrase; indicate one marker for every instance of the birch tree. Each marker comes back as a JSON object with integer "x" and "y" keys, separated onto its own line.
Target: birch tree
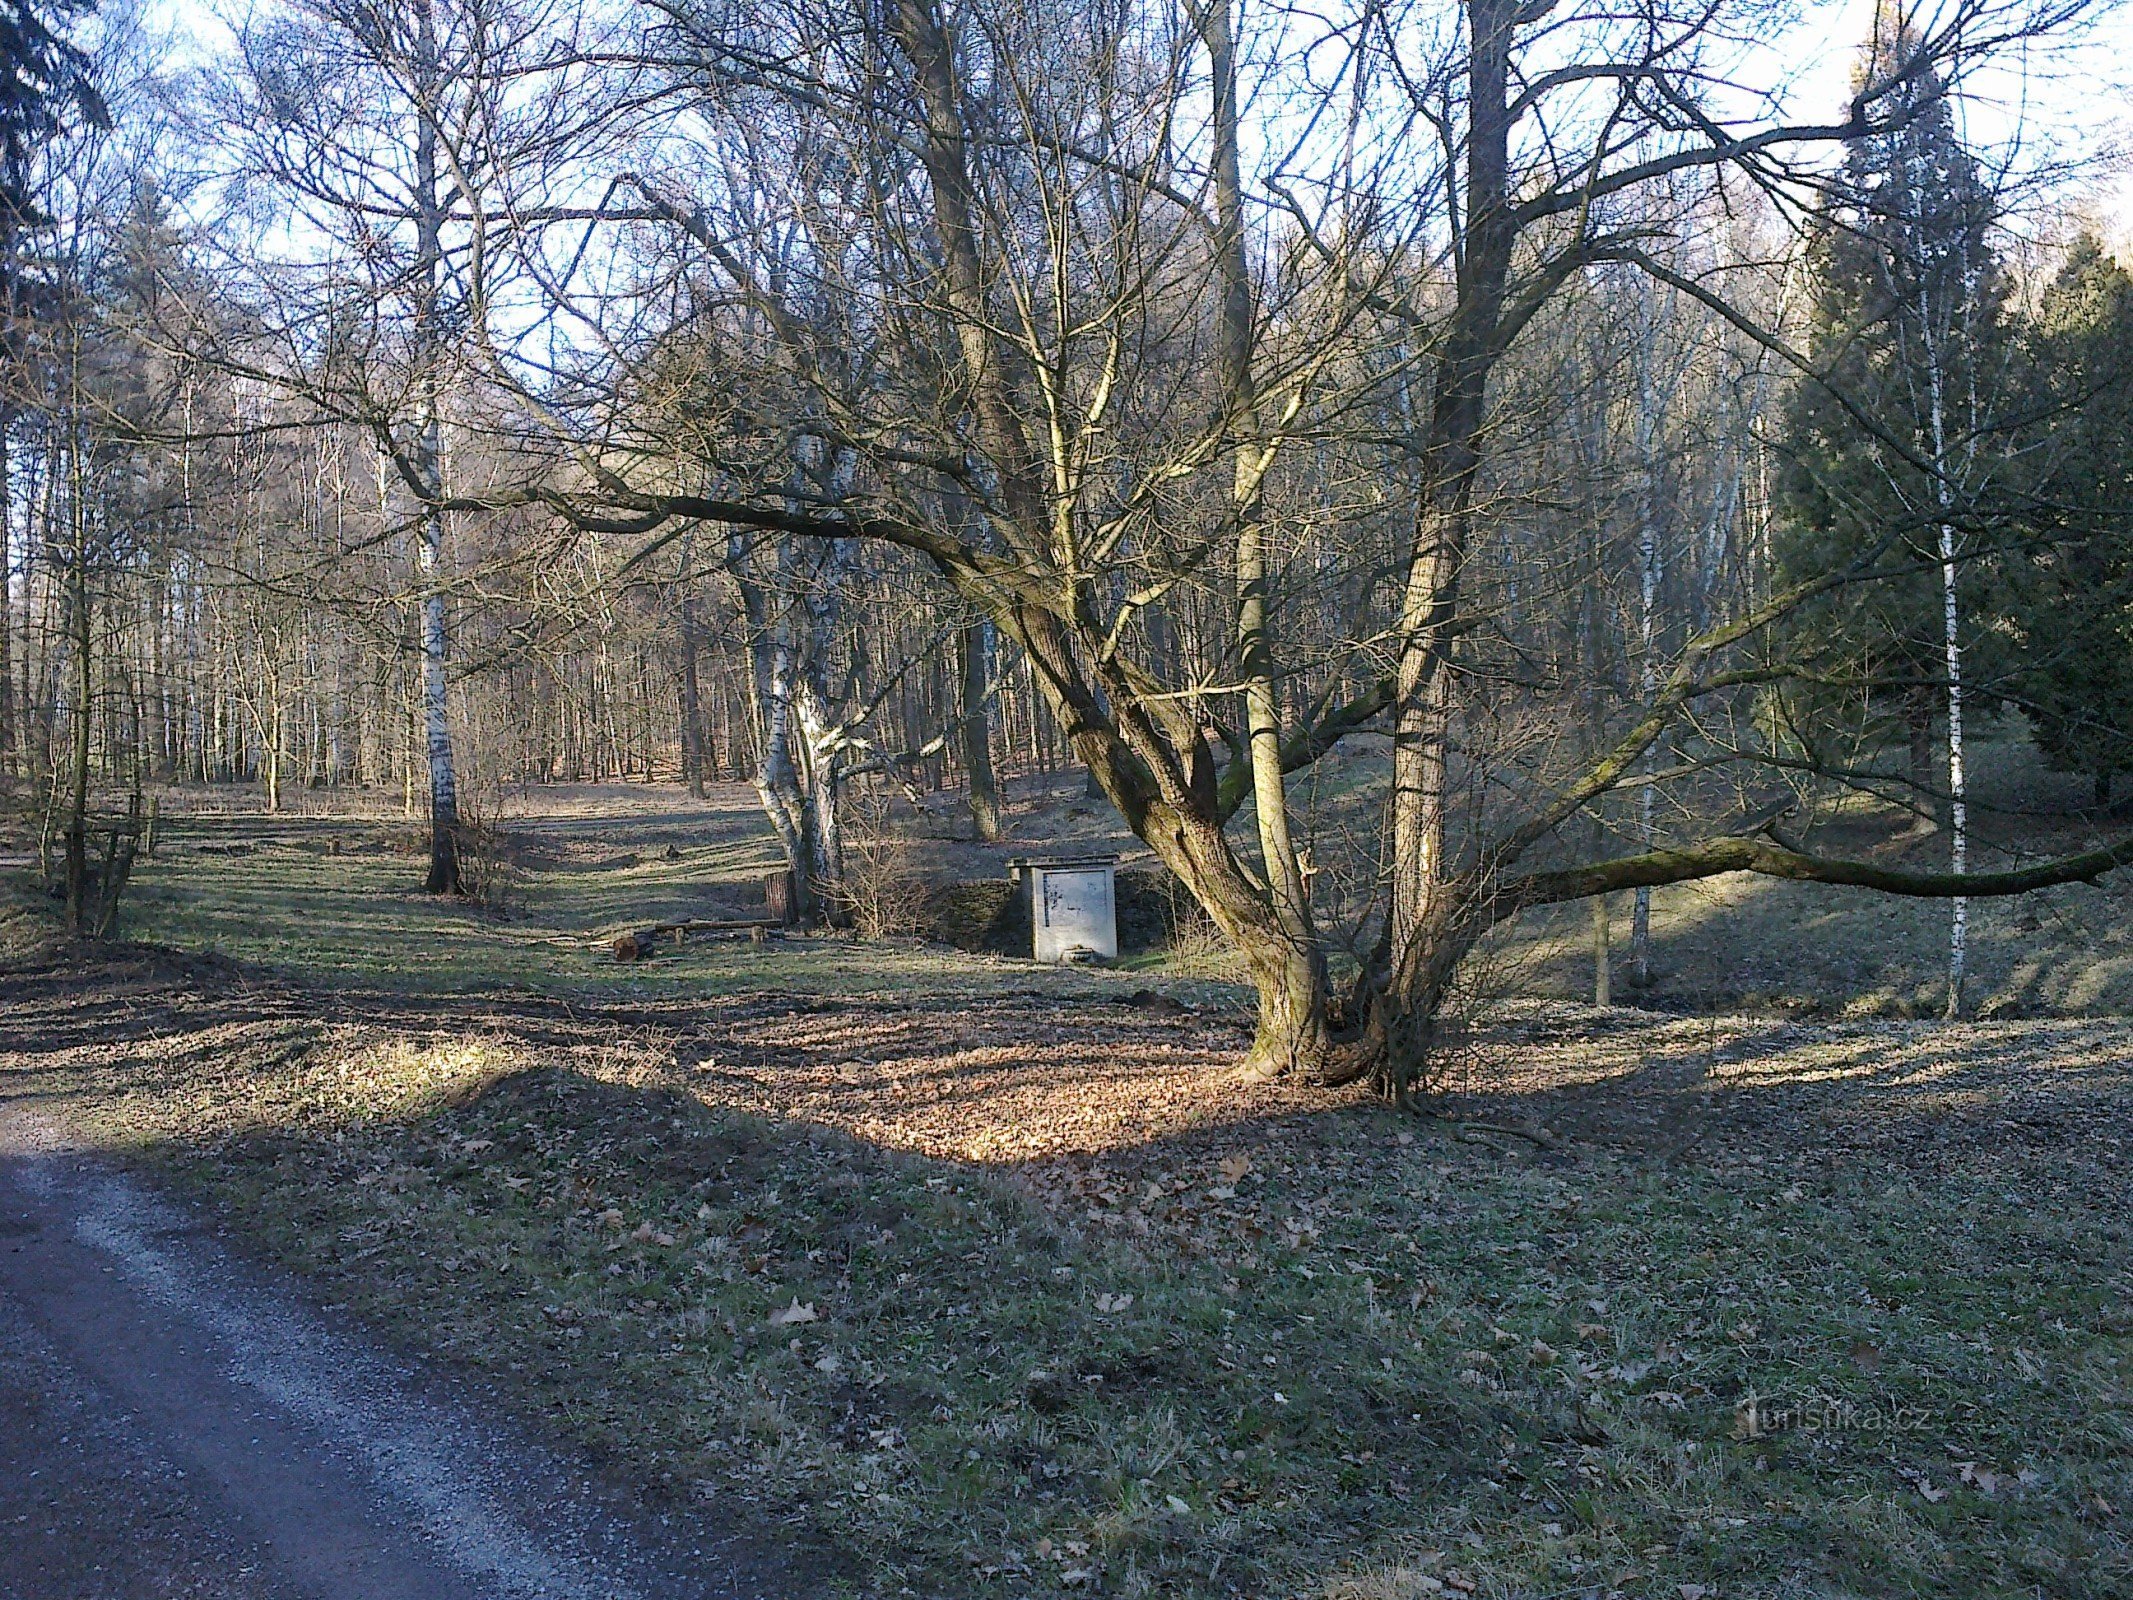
{"x": 386, "y": 157}
{"x": 1910, "y": 321}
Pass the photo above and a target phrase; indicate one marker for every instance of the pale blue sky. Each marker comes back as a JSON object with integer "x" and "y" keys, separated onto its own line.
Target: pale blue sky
{"x": 2072, "y": 98}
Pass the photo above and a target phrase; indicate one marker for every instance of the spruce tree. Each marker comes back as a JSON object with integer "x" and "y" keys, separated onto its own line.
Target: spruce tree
{"x": 2069, "y": 603}
{"x": 44, "y": 81}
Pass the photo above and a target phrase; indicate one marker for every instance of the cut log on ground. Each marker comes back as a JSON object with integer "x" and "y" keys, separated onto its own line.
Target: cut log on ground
{"x": 643, "y": 943}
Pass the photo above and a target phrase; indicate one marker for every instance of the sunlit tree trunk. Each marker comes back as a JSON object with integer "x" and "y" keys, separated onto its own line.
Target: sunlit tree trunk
{"x": 692, "y": 702}
{"x": 7, "y": 582}
{"x": 1426, "y": 933}
{"x": 1298, "y": 1034}
{"x": 444, "y": 876}
{"x": 1648, "y": 578}
{"x": 974, "y": 669}
{"x": 1958, "y": 804}
{"x": 80, "y": 636}
{"x": 772, "y": 671}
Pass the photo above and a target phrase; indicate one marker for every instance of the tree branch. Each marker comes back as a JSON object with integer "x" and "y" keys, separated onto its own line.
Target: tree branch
{"x": 1305, "y": 745}
{"x": 1711, "y": 857}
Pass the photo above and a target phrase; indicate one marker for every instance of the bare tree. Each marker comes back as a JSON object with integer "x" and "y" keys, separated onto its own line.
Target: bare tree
{"x": 1066, "y": 323}
{"x": 387, "y": 155}
{"x": 1246, "y": 391}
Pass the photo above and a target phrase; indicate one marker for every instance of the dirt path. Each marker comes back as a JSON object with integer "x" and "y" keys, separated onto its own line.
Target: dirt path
{"x": 173, "y": 1424}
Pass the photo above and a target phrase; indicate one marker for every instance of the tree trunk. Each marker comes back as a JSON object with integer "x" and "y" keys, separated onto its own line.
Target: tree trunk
{"x": 1958, "y": 806}
{"x": 444, "y": 875}
{"x": 821, "y": 735}
{"x": 270, "y": 734}
{"x": 1299, "y": 966}
{"x": 1293, "y": 1034}
{"x": 974, "y": 656}
{"x": 1649, "y": 572}
{"x": 770, "y": 682}
{"x": 692, "y": 704}
{"x": 1423, "y": 944}
{"x": 80, "y": 634}
{"x": 824, "y": 791}
{"x": 7, "y": 548}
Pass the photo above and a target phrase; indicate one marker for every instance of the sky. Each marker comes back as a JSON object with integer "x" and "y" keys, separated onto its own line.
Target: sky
{"x": 2073, "y": 99}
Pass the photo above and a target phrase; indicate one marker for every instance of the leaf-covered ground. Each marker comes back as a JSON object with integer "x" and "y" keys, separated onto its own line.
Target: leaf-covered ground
{"x": 1016, "y": 1294}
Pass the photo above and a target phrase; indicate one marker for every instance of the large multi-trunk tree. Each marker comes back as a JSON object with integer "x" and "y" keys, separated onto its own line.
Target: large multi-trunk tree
{"x": 1201, "y": 367}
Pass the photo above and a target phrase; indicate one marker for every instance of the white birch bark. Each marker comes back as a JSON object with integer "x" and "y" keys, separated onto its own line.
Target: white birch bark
{"x": 1958, "y": 807}
{"x": 1648, "y": 578}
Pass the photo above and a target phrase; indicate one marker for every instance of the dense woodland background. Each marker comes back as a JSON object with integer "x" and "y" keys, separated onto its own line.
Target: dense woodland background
{"x": 873, "y": 401}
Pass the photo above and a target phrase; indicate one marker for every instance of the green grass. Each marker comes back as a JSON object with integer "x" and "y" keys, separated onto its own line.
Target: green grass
{"x": 1761, "y": 944}
{"x": 1373, "y": 1361}
{"x": 361, "y": 919}
{"x": 598, "y": 864}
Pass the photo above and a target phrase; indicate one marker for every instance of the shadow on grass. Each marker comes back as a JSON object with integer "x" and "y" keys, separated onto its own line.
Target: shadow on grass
{"x": 1281, "y": 1348}
{"x": 1815, "y": 1092}
{"x": 907, "y": 1356}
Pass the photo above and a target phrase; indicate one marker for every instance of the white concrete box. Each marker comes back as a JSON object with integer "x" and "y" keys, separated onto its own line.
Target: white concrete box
{"x": 1073, "y": 906}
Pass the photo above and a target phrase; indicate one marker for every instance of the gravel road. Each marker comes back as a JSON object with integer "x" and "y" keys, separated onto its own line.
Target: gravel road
{"x": 175, "y": 1423}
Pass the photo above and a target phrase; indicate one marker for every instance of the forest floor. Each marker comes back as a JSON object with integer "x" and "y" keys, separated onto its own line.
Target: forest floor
{"x": 962, "y": 1277}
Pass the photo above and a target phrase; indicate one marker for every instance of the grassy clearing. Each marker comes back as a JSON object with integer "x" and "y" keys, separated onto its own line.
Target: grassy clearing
{"x": 981, "y": 1284}
{"x": 1866, "y": 1335}
{"x": 588, "y": 864}
{"x": 358, "y": 918}
{"x": 1759, "y": 944}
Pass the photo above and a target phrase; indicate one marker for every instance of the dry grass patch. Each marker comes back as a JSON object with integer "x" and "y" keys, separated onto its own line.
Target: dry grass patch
{"x": 991, "y": 1080}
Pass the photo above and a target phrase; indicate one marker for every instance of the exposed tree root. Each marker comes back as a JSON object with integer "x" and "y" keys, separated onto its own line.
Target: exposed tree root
{"x": 1473, "y": 1132}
